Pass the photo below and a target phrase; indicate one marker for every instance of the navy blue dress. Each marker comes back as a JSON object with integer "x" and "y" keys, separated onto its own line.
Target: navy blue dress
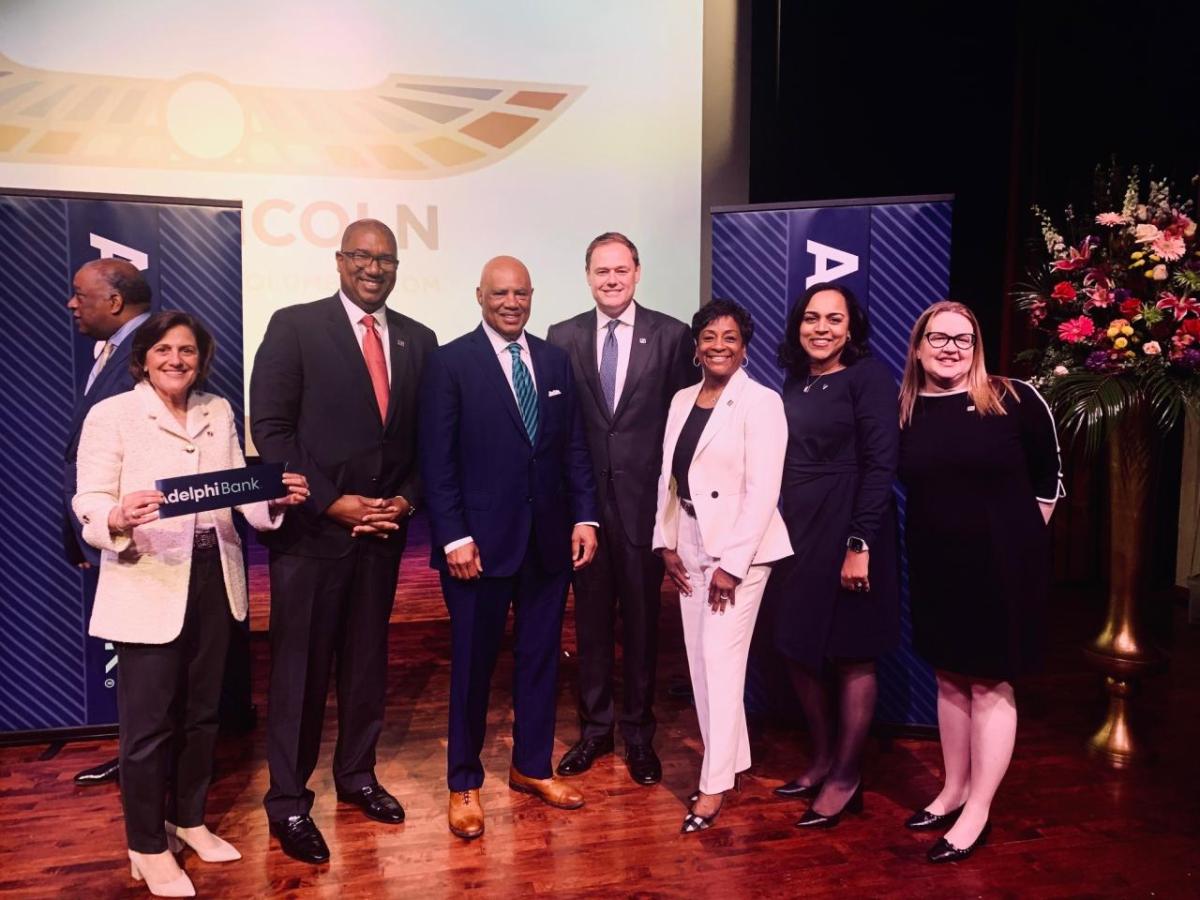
{"x": 978, "y": 547}
{"x": 843, "y": 442}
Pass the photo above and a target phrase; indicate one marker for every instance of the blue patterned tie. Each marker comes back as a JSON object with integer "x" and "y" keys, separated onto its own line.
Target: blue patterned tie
{"x": 526, "y": 395}
{"x": 608, "y": 366}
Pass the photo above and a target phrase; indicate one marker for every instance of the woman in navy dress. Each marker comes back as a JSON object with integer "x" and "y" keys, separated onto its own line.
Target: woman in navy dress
{"x": 980, "y": 461}
{"x": 836, "y": 601}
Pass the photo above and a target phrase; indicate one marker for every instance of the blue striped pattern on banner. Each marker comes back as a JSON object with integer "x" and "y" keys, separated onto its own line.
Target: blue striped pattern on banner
{"x": 41, "y": 638}
{"x": 750, "y": 264}
{"x": 910, "y": 268}
{"x": 201, "y": 273}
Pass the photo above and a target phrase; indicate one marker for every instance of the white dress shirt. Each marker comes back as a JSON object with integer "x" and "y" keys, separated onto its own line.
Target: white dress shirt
{"x": 500, "y": 344}
{"x": 624, "y": 336}
{"x": 106, "y": 349}
{"x": 355, "y": 314}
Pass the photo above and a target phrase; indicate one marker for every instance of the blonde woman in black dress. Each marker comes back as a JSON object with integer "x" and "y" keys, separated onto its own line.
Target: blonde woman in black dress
{"x": 979, "y": 458}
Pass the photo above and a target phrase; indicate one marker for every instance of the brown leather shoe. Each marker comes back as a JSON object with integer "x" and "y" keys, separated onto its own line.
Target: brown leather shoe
{"x": 466, "y": 814}
{"x": 549, "y": 790}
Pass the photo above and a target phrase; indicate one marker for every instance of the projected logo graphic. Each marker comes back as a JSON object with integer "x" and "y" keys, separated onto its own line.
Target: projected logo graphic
{"x": 407, "y": 127}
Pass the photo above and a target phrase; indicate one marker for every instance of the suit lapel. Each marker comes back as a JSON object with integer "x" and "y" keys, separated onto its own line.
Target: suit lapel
{"x": 585, "y": 353}
{"x": 345, "y": 342}
{"x": 640, "y": 349}
{"x": 162, "y": 416}
{"x": 401, "y": 358}
{"x": 681, "y": 406}
{"x": 723, "y": 411}
{"x": 490, "y": 364}
{"x": 541, "y": 380}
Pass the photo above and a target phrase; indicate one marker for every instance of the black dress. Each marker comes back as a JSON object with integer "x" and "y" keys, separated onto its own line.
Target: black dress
{"x": 978, "y": 547}
{"x": 843, "y": 437}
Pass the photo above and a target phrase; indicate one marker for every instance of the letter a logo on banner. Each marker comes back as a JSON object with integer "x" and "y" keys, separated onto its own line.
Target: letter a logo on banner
{"x": 110, "y": 249}
{"x": 844, "y": 263}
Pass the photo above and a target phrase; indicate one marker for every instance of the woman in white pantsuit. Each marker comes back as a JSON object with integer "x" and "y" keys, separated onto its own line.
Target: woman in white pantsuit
{"x": 718, "y": 530}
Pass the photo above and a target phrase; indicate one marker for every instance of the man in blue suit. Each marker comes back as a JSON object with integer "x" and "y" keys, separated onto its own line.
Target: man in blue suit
{"x": 511, "y": 499}
{"x": 109, "y": 300}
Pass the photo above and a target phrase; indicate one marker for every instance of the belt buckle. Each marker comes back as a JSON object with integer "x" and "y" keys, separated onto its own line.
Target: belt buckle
{"x": 204, "y": 540}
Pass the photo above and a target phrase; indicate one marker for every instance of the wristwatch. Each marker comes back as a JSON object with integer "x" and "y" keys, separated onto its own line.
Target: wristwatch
{"x": 856, "y": 545}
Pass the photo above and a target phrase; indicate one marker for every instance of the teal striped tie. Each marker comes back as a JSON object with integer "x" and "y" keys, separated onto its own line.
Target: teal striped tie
{"x": 526, "y": 395}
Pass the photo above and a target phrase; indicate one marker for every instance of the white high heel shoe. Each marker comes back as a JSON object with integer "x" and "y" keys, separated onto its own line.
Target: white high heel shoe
{"x": 223, "y": 852}
{"x": 180, "y": 886}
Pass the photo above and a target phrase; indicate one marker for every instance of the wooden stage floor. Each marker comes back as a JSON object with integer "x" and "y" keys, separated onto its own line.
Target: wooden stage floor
{"x": 1063, "y": 825}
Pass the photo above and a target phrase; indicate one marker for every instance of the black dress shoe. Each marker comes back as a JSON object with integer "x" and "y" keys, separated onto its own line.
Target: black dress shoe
{"x": 301, "y": 839}
{"x": 944, "y": 851}
{"x": 579, "y": 758}
{"x": 643, "y": 763}
{"x": 813, "y": 819}
{"x": 101, "y": 774}
{"x": 376, "y": 802}
{"x": 794, "y": 789}
{"x": 923, "y": 819}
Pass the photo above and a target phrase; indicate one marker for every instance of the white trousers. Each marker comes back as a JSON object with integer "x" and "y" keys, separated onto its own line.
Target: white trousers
{"x": 717, "y": 648}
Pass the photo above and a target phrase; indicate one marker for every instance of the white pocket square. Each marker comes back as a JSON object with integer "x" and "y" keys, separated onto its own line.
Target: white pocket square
{"x": 554, "y": 393}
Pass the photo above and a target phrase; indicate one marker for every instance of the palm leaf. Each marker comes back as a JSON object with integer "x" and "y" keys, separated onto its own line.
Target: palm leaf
{"x": 1089, "y": 404}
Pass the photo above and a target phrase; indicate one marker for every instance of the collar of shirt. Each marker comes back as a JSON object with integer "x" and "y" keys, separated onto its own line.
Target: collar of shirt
{"x": 127, "y": 329}
{"x": 500, "y": 342}
{"x": 626, "y": 317}
{"x": 355, "y": 313}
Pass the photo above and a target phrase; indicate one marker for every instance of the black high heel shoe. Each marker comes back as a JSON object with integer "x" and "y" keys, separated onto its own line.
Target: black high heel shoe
{"x": 944, "y": 851}
{"x": 693, "y": 822}
{"x": 794, "y": 790}
{"x": 813, "y": 819}
{"x": 923, "y": 819}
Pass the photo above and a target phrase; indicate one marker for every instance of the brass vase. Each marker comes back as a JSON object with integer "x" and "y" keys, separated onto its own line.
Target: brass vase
{"x": 1121, "y": 652}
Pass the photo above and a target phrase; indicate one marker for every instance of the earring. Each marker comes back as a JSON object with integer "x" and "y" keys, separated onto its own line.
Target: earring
{"x": 695, "y": 360}
{"x": 745, "y": 360}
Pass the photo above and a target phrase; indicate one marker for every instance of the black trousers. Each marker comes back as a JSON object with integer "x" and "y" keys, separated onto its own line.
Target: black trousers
{"x": 167, "y": 700}
{"x": 629, "y": 577}
{"x": 327, "y": 611}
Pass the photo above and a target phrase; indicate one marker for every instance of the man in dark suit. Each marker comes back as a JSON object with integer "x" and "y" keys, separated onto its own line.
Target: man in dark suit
{"x": 334, "y": 394}
{"x": 511, "y": 500}
{"x": 109, "y": 300}
{"x": 629, "y": 361}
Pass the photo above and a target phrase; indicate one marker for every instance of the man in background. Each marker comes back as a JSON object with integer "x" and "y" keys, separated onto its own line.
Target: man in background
{"x": 628, "y": 361}
{"x": 109, "y": 300}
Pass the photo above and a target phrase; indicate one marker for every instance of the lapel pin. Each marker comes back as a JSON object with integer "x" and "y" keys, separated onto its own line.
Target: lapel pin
{"x": 825, "y": 387}
{"x": 729, "y": 403}
{"x": 399, "y": 343}
{"x": 641, "y": 340}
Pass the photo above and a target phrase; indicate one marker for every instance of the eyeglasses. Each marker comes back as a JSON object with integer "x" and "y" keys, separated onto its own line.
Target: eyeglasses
{"x": 937, "y": 340}
{"x": 362, "y": 259}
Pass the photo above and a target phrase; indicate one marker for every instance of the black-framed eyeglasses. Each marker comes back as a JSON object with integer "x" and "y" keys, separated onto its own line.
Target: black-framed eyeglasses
{"x": 362, "y": 259}
{"x": 937, "y": 340}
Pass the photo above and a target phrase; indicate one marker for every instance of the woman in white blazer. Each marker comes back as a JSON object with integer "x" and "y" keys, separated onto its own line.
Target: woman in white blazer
{"x": 168, "y": 587}
{"x": 718, "y": 530}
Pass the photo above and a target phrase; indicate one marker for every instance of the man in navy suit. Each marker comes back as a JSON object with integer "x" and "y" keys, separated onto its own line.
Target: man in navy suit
{"x": 109, "y": 300}
{"x": 511, "y": 499}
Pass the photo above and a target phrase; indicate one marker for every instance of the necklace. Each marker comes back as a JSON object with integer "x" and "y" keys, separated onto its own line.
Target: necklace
{"x": 809, "y": 381}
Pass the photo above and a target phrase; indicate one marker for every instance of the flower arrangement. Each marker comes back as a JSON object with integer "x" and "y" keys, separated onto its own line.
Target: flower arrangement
{"x": 1115, "y": 300}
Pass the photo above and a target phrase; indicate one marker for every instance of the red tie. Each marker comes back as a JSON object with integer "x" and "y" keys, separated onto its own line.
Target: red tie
{"x": 373, "y": 353}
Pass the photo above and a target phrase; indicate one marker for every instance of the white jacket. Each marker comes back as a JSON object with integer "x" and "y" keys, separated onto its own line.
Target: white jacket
{"x": 734, "y": 478}
{"x": 128, "y": 442}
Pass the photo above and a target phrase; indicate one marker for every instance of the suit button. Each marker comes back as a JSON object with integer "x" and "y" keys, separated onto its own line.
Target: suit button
{"x": 375, "y": 478}
{"x": 715, "y": 495}
{"x": 612, "y": 434}
{"x": 528, "y": 499}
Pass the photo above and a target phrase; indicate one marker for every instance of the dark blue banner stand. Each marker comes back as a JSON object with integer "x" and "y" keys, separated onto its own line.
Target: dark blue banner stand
{"x": 53, "y": 676}
{"x": 894, "y": 253}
